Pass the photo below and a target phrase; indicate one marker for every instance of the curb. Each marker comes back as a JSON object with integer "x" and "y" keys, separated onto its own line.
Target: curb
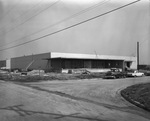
{"x": 128, "y": 98}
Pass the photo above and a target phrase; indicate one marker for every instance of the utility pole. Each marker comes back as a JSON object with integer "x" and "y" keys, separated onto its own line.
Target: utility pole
{"x": 138, "y": 56}
{"x": 149, "y": 32}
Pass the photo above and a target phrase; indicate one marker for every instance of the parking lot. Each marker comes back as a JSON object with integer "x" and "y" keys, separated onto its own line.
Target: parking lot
{"x": 71, "y": 100}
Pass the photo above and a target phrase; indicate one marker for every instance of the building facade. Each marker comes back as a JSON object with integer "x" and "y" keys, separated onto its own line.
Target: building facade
{"x": 55, "y": 61}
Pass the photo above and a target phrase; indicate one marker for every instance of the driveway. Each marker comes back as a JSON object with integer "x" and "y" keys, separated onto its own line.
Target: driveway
{"x": 73, "y": 100}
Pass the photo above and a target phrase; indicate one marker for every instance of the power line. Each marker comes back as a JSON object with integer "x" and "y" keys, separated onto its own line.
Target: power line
{"x": 70, "y": 17}
{"x": 14, "y": 6}
{"x": 74, "y": 25}
{"x": 8, "y": 12}
{"x": 32, "y": 16}
{"x": 32, "y": 7}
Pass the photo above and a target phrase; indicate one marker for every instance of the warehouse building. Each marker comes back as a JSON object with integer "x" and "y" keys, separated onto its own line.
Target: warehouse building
{"x": 55, "y": 61}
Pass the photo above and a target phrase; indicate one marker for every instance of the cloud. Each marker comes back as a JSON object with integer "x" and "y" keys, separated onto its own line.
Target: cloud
{"x": 113, "y": 34}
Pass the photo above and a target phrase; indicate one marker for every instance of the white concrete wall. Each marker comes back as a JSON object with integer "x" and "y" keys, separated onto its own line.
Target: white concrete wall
{"x": 134, "y": 64}
{"x": 8, "y": 64}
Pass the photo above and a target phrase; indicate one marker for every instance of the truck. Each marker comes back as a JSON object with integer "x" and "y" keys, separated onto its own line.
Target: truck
{"x": 114, "y": 73}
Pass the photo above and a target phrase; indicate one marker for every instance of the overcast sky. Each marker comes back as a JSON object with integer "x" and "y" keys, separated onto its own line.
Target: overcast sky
{"x": 115, "y": 33}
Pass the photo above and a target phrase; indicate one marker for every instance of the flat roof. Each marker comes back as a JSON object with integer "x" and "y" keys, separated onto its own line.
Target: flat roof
{"x": 81, "y": 58}
{"x": 55, "y": 55}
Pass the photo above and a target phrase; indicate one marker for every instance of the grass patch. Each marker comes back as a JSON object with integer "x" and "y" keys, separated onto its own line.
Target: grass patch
{"x": 138, "y": 94}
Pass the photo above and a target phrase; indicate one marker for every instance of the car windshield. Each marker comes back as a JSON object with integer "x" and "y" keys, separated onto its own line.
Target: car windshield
{"x": 131, "y": 71}
{"x": 114, "y": 70}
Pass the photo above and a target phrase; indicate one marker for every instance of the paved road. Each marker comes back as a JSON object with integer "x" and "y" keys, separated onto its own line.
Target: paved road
{"x": 76, "y": 100}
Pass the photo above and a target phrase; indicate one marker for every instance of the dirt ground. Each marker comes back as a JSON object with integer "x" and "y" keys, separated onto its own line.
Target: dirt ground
{"x": 71, "y": 100}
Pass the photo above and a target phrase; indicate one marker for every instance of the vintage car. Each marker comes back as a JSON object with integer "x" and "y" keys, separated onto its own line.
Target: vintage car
{"x": 114, "y": 73}
{"x": 134, "y": 73}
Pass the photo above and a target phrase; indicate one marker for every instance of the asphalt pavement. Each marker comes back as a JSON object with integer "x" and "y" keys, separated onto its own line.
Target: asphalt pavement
{"x": 71, "y": 100}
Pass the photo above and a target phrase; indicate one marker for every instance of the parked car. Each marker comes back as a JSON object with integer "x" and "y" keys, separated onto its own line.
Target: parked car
{"x": 134, "y": 73}
{"x": 146, "y": 72}
{"x": 114, "y": 73}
